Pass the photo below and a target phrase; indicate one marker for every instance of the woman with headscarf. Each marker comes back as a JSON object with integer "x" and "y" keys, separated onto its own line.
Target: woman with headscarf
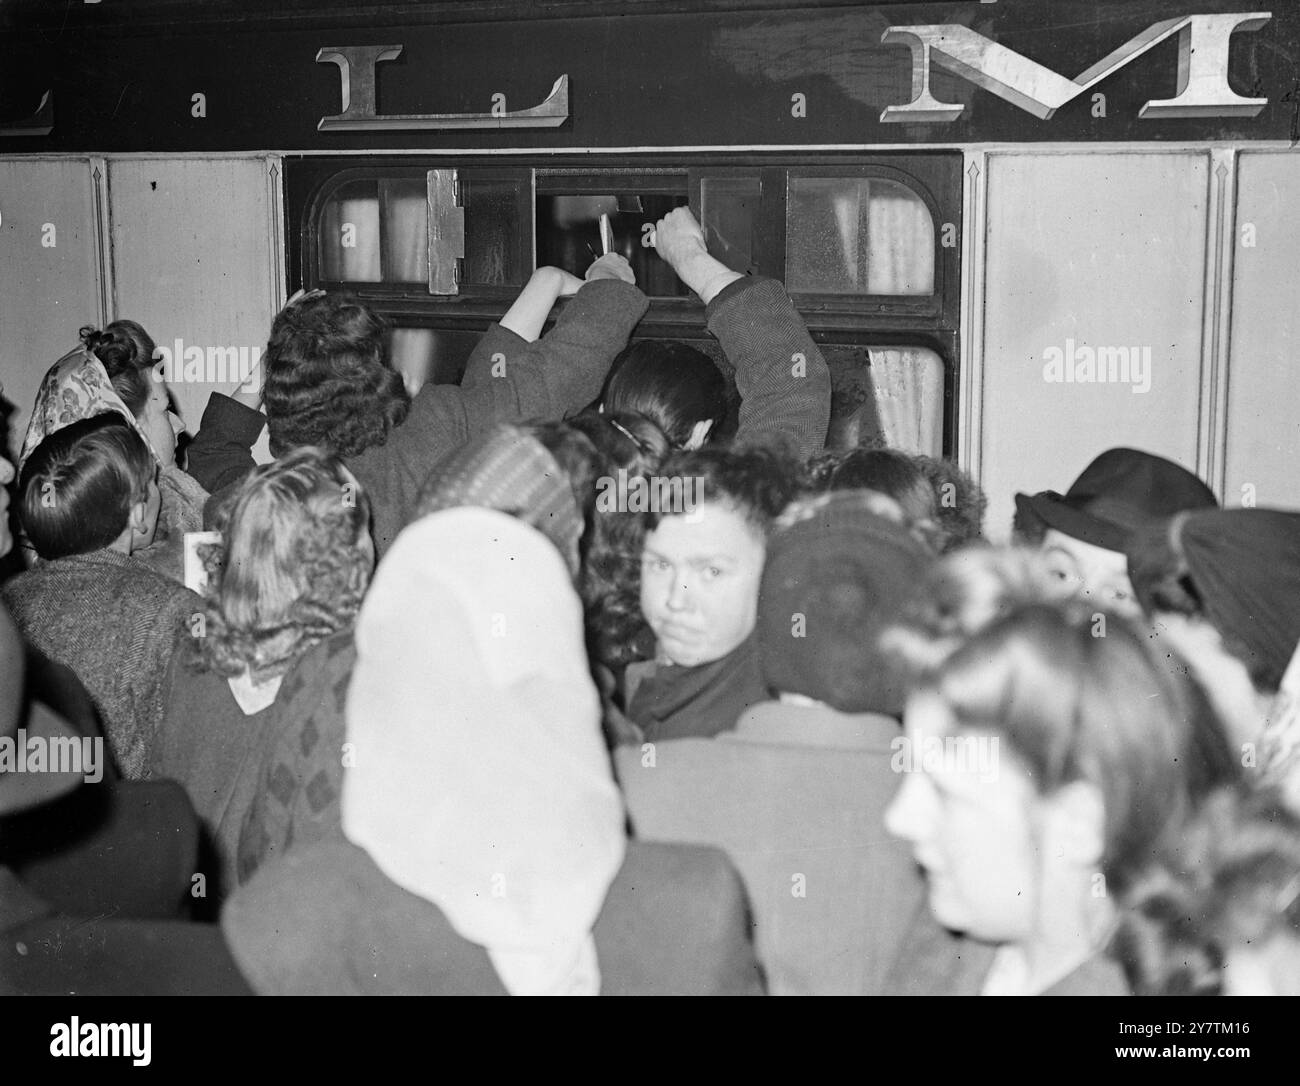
{"x": 484, "y": 845}
{"x": 115, "y": 371}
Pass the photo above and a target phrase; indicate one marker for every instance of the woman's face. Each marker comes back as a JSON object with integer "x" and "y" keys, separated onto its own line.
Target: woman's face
{"x": 159, "y": 422}
{"x": 699, "y": 583}
{"x": 973, "y": 831}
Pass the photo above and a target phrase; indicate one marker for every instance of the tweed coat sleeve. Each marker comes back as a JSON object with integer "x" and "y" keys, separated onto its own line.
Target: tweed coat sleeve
{"x": 783, "y": 380}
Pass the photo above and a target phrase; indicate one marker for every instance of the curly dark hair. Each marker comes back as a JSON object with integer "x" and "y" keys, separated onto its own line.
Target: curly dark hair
{"x": 591, "y": 447}
{"x": 755, "y": 481}
{"x": 326, "y": 382}
{"x": 960, "y": 502}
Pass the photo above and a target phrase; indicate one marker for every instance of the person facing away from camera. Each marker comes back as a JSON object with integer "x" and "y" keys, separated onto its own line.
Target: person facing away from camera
{"x": 1223, "y": 585}
{"x": 1084, "y": 534}
{"x": 93, "y": 870}
{"x": 115, "y": 370}
{"x": 483, "y": 848}
{"x": 1221, "y": 915}
{"x": 327, "y": 383}
{"x": 546, "y": 475}
{"x": 294, "y": 563}
{"x": 941, "y": 503}
{"x": 782, "y": 379}
{"x": 796, "y": 794}
{"x": 1050, "y": 750}
{"x": 88, "y": 500}
{"x": 700, "y": 570}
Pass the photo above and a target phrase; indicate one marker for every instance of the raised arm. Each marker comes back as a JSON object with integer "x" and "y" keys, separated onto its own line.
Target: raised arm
{"x": 782, "y": 378}
{"x": 521, "y": 325}
{"x": 558, "y": 375}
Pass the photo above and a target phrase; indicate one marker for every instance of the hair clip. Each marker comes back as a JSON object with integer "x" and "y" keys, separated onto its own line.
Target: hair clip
{"x": 627, "y": 434}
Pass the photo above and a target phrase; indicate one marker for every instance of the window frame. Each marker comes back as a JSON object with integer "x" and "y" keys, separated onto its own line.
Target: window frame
{"x": 902, "y": 320}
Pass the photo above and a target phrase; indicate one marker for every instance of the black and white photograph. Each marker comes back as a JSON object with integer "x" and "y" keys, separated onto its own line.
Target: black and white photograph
{"x": 651, "y": 497}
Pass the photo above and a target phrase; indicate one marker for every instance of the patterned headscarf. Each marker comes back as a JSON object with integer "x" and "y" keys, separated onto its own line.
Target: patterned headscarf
{"x": 76, "y": 387}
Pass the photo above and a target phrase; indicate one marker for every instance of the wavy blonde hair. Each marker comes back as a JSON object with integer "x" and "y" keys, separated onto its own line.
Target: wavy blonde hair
{"x": 295, "y": 561}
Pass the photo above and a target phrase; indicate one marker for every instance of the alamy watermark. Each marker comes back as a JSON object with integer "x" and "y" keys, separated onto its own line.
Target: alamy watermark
{"x": 1083, "y": 365}
{"x": 23, "y": 753}
{"x": 921, "y": 753}
{"x": 212, "y": 365}
{"x": 648, "y": 493}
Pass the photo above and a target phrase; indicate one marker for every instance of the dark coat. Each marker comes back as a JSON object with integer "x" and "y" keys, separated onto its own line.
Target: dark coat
{"x": 667, "y": 701}
{"x": 558, "y": 375}
{"x": 327, "y": 921}
{"x": 796, "y": 796}
{"x": 933, "y": 961}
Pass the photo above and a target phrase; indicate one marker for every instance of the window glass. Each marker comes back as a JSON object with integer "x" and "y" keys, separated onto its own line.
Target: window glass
{"x": 886, "y": 395}
{"x": 857, "y": 235}
{"x": 568, "y": 234}
{"x": 376, "y": 231}
{"x": 429, "y": 355}
{"x": 728, "y": 209}
{"x": 492, "y": 231}
{"x": 404, "y": 216}
{"x": 349, "y": 234}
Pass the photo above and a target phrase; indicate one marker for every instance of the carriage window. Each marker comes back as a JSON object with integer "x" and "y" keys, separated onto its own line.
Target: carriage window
{"x": 886, "y": 394}
{"x": 568, "y": 233}
{"x": 429, "y": 355}
{"x": 376, "y": 231}
{"x": 495, "y": 227}
{"x": 857, "y": 235}
{"x": 728, "y": 211}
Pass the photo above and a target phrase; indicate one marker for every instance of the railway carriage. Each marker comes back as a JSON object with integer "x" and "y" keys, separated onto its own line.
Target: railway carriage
{"x": 1021, "y": 231}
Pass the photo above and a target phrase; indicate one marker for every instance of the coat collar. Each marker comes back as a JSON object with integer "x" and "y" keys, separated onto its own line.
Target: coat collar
{"x": 814, "y": 726}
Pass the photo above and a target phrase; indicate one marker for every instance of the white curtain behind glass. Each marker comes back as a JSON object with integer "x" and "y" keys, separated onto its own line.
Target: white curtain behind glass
{"x": 908, "y": 385}
{"x": 350, "y": 238}
{"x": 900, "y": 241}
{"x": 406, "y": 242}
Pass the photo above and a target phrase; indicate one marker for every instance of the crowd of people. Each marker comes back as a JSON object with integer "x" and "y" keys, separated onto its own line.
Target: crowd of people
{"x": 441, "y": 708}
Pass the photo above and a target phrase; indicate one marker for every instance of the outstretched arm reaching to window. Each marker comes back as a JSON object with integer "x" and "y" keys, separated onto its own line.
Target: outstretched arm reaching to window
{"x": 783, "y": 380}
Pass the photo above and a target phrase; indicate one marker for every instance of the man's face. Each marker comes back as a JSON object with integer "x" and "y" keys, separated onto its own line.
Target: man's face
{"x": 1092, "y": 572}
{"x": 699, "y": 583}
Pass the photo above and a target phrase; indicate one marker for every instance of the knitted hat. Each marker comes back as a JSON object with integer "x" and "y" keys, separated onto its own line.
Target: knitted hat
{"x": 511, "y": 471}
{"x": 1119, "y": 493}
{"x": 832, "y": 583}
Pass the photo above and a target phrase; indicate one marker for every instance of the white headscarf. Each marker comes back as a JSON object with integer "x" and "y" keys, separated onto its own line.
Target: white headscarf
{"x": 479, "y": 779}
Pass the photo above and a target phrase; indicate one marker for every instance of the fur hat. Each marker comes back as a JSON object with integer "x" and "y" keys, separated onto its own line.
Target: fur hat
{"x": 833, "y": 582}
